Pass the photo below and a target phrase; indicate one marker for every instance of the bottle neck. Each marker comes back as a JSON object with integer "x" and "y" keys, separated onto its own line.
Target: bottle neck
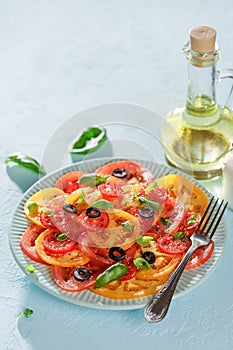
{"x": 201, "y": 106}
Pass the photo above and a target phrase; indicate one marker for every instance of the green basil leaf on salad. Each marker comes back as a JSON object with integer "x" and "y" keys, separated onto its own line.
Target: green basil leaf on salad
{"x": 103, "y": 204}
{"x": 92, "y": 179}
{"x": 113, "y": 273}
{"x": 146, "y": 201}
{"x": 144, "y": 241}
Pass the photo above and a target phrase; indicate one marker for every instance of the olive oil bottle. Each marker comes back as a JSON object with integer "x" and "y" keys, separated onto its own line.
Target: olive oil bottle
{"x": 197, "y": 135}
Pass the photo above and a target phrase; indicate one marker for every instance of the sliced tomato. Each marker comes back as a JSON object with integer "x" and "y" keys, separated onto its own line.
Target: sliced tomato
{"x": 40, "y": 199}
{"x": 158, "y": 194}
{"x": 93, "y": 219}
{"x": 53, "y": 245}
{"x": 174, "y": 218}
{"x": 190, "y": 222}
{"x": 170, "y": 245}
{"x": 68, "y": 182}
{"x": 200, "y": 256}
{"x": 122, "y": 231}
{"x": 145, "y": 223}
{"x": 100, "y": 256}
{"x": 170, "y": 203}
{"x": 46, "y": 220}
{"x": 131, "y": 272}
{"x": 71, "y": 258}
{"x": 127, "y": 171}
{"x": 64, "y": 278}
{"x": 64, "y": 221}
{"x": 110, "y": 191}
{"x": 97, "y": 256}
{"x": 27, "y": 242}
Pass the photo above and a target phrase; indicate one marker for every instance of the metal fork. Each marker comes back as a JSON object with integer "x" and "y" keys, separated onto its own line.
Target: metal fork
{"x": 157, "y": 308}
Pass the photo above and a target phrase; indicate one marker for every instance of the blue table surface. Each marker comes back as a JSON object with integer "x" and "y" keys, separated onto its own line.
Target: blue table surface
{"x": 58, "y": 58}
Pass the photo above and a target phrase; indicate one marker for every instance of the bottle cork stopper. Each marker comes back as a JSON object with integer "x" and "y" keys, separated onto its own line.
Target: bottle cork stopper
{"x": 202, "y": 39}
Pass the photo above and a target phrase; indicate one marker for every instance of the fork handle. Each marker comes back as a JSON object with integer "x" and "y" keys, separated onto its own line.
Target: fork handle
{"x": 157, "y": 308}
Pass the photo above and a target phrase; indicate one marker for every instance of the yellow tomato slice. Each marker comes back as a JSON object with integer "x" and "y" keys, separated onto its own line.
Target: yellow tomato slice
{"x": 35, "y": 204}
{"x": 83, "y": 198}
{"x": 186, "y": 191}
{"x": 73, "y": 258}
{"x": 143, "y": 284}
{"x": 122, "y": 231}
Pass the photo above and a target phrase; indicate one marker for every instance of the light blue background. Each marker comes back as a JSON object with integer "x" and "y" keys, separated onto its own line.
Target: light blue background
{"x": 60, "y": 57}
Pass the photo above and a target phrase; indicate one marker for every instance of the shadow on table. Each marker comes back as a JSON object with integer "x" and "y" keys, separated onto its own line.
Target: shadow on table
{"x": 59, "y": 325}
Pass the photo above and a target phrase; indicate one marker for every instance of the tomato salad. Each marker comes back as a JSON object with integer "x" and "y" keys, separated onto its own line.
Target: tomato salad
{"x": 117, "y": 232}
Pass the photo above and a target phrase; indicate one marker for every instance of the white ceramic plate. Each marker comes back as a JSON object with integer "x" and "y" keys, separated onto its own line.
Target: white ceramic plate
{"x": 43, "y": 278}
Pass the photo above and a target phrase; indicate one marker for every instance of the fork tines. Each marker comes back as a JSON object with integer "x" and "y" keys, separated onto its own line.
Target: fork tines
{"x": 212, "y": 216}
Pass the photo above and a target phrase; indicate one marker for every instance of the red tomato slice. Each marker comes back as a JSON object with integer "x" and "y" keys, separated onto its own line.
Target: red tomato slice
{"x": 63, "y": 221}
{"x": 94, "y": 224}
{"x": 46, "y": 220}
{"x": 98, "y": 256}
{"x": 175, "y": 216}
{"x": 158, "y": 194}
{"x": 170, "y": 203}
{"x": 110, "y": 191}
{"x": 200, "y": 256}
{"x": 130, "y": 171}
{"x": 131, "y": 272}
{"x": 55, "y": 246}
{"x": 64, "y": 278}
{"x": 67, "y": 180}
{"x": 27, "y": 242}
{"x": 190, "y": 223}
{"x": 170, "y": 245}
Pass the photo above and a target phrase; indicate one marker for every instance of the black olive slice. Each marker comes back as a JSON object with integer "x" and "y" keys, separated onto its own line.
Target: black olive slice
{"x": 82, "y": 274}
{"x": 93, "y": 212}
{"x": 69, "y": 208}
{"x": 146, "y": 212}
{"x": 119, "y": 172}
{"x": 116, "y": 253}
{"x": 149, "y": 257}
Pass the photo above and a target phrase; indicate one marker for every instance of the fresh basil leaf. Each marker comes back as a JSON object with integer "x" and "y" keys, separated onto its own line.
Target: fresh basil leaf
{"x": 62, "y": 237}
{"x": 26, "y": 162}
{"x": 180, "y": 235}
{"x": 92, "y": 179}
{"x": 103, "y": 204}
{"x": 81, "y": 198}
{"x": 141, "y": 264}
{"x": 48, "y": 211}
{"x": 165, "y": 221}
{"x": 127, "y": 225}
{"x": 89, "y": 140}
{"x": 33, "y": 208}
{"x": 150, "y": 187}
{"x": 30, "y": 268}
{"x": 144, "y": 241}
{"x": 146, "y": 201}
{"x": 26, "y": 313}
{"x": 113, "y": 273}
{"x": 192, "y": 220}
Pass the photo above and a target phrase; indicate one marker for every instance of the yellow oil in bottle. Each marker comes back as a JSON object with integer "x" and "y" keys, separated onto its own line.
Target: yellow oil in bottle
{"x": 194, "y": 147}
{"x": 197, "y": 135}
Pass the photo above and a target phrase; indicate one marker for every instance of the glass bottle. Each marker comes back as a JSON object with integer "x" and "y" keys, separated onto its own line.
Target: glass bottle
{"x": 197, "y": 135}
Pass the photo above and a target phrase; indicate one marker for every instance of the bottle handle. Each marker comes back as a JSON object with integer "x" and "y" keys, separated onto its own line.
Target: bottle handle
{"x": 227, "y": 74}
